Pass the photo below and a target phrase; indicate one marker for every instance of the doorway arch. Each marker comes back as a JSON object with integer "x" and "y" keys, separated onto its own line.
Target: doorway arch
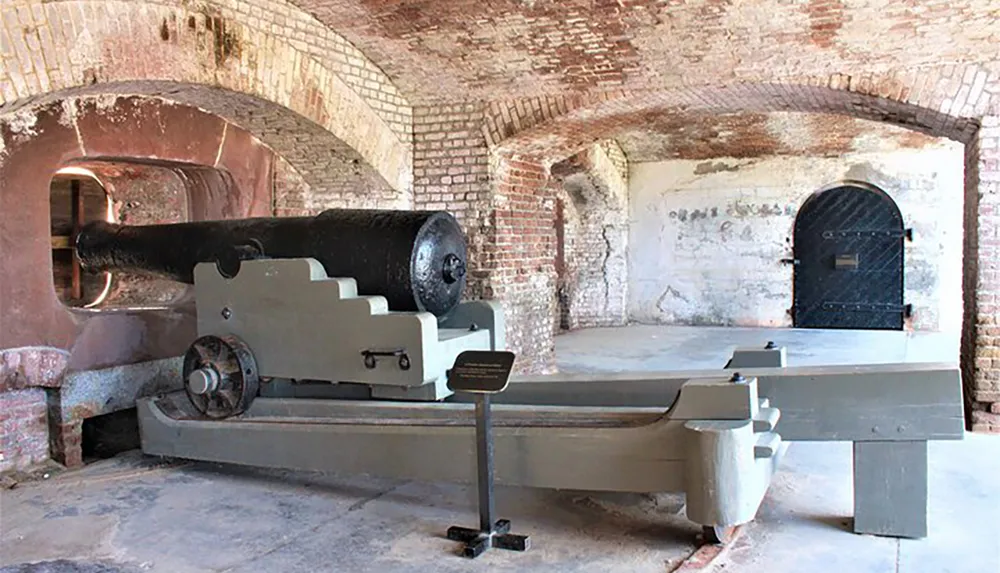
{"x": 848, "y": 249}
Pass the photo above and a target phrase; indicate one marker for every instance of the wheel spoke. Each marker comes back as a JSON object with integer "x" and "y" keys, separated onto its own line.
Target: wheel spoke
{"x": 233, "y": 362}
{"x": 202, "y": 353}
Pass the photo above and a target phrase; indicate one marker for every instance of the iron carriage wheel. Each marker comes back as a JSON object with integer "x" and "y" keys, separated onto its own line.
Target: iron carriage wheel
{"x": 220, "y": 376}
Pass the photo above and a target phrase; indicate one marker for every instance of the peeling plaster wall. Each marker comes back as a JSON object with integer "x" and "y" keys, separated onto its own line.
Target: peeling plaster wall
{"x": 707, "y": 237}
{"x": 591, "y": 264}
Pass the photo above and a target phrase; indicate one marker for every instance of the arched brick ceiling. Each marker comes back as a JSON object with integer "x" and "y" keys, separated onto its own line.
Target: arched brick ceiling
{"x": 495, "y": 49}
{"x": 262, "y": 64}
{"x": 551, "y": 129}
{"x": 703, "y": 136}
{"x": 321, "y": 159}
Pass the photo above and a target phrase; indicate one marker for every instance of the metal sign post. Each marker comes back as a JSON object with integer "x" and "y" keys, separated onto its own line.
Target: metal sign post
{"x": 483, "y": 373}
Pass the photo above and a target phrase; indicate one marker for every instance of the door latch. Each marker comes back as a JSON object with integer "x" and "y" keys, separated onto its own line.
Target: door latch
{"x": 794, "y": 262}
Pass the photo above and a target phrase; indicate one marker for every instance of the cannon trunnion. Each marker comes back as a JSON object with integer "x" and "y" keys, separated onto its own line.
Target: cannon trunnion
{"x": 415, "y": 259}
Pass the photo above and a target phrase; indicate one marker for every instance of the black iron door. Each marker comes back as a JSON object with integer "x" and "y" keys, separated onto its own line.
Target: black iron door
{"x": 848, "y": 246}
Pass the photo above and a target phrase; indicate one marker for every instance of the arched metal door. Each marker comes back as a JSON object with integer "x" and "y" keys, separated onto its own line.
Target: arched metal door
{"x": 848, "y": 245}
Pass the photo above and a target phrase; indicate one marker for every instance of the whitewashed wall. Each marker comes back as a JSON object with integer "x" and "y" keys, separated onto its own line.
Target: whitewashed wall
{"x": 706, "y": 237}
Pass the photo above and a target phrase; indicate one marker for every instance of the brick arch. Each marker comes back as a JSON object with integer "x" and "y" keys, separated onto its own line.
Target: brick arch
{"x": 945, "y": 101}
{"x": 276, "y": 85}
{"x": 554, "y": 134}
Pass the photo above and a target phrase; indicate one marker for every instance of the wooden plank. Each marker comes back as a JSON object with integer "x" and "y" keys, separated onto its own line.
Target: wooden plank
{"x": 724, "y": 479}
{"x": 890, "y": 488}
{"x": 61, "y": 242}
{"x": 884, "y": 402}
{"x": 367, "y": 412}
{"x": 76, "y": 286}
{"x": 648, "y": 458}
{"x": 277, "y": 306}
{"x": 911, "y": 401}
{"x": 716, "y": 399}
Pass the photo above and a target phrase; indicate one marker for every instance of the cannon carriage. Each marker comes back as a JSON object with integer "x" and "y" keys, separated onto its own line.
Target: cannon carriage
{"x": 326, "y": 343}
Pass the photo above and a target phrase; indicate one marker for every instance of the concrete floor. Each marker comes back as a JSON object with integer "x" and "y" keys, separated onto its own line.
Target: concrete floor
{"x": 644, "y": 347}
{"x": 136, "y": 514}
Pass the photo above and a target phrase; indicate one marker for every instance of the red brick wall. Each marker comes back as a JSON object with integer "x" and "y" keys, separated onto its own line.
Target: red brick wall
{"x": 515, "y": 48}
{"x": 24, "y": 432}
{"x": 560, "y": 129}
{"x": 507, "y": 213}
{"x": 524, "y": 274}
{"x": 981, "y": 333}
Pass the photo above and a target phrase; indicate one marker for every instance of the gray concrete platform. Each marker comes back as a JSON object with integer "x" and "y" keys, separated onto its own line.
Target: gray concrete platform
{"x": 648, "y": 347}
{"x": 132, "y": 514}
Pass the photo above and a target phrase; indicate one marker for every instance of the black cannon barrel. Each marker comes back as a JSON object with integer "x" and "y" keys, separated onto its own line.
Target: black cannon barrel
{"x": 415, "y": 259}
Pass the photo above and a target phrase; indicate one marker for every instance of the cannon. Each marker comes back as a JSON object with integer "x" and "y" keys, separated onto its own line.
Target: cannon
{"x": 369, "y": 297}
{"x": 415, "y": 259}
{"x": 330, "y": 343}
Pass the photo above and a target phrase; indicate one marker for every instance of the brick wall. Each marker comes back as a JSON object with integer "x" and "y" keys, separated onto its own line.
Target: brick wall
{"x": 27, "y": 376}
{"x": 981, "y": 333}
{"x": 505, "y": 49}
{"x": 24, "y": 432}
{"x": 592, "y": 188}
{"x": 294, "y": 196}
{"x": 558, "y": 127}
{"x": 524, "y": 276}
{"x": 506, "y": 207}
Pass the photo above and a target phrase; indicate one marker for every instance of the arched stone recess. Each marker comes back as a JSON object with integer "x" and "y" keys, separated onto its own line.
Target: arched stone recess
{"x": 198, "y": 126}
{"x": 591, "y": 225}
{"x": 226, "y": 171}
{"x": 132, "y": 47}
{"x": 527, "y": 137}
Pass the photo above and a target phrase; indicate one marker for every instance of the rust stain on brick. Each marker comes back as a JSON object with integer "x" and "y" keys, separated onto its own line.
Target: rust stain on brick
{"x": 165, "y": 31}
{"x": 916, "y": 139}
{"x": 308, "y": 97}
{"x": 582, "y": 47}
{"x": 226, "y": 44}
{"x": 826, "y": 17}
{"x": 90, "y": 76}
{"x": 706, "y": 136}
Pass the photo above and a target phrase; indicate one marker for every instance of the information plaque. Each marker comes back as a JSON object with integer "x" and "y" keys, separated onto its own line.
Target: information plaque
{"x": 481, "y": 371}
